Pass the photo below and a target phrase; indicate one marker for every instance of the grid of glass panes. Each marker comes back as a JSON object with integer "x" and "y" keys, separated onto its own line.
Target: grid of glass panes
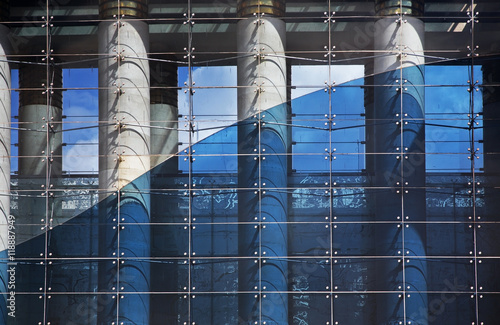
{"x": 372, "y": 231}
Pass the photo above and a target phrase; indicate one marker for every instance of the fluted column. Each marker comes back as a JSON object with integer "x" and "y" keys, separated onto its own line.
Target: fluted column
{"x": 164, "y": 115}
{"x": 40, "y": 116}
{"x": 164, "y": 168}
{"x": 399, "y": 161}
{"x": 486, "y": 243}
{"x": 491, "y": 117}
{"x": 40, "y": 142}
{"x": 124, "y": 149}
{"x": 262, "y": 163}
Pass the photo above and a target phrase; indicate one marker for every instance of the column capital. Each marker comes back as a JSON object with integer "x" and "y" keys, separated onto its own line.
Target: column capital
{"x": 127, "y": 8}
{"x": 275, "y": 8}
{"x": 396, "y": 7}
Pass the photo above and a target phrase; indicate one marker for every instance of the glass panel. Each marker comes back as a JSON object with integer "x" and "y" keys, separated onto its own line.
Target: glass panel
{"x": 216, "y": 239}
{"x": 182, "y": 162}
{"x": 77, "y": 308}
{"x": 169, "y": 240}
{"x": 486, "y": 306}
{"x": 487, "y": 282}
{"x": 214, "y": 275}
{"x": 223, "y": 308}
{"x": 309, "y": 274}
{"x": 308, "y": 239}
{"x": 453, "y": 274}
{"x": 36, "y": 303}
{"x": 170, "y": 308}
{"x": 449, "y": 306}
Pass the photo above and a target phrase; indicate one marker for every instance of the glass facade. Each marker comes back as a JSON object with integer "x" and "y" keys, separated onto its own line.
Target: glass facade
{"x": 250, "y": 162}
